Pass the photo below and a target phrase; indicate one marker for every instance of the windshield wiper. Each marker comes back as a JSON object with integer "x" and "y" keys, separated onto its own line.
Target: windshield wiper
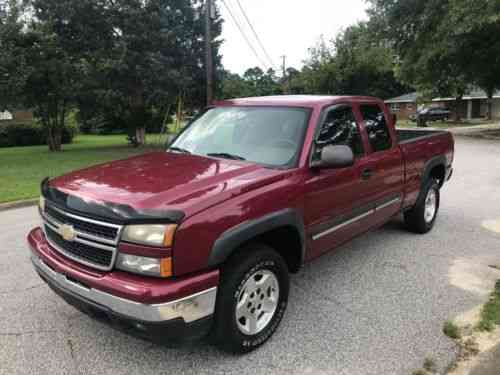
{"x": 226, "y": 155}
{"x": 179, "y": 149}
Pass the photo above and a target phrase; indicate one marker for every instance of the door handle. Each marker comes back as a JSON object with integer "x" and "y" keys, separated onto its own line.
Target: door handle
{"x": 366, "y": 174}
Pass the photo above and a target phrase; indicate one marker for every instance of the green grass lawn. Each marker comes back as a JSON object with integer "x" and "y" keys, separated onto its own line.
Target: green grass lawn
{"x": 22, "y": 168}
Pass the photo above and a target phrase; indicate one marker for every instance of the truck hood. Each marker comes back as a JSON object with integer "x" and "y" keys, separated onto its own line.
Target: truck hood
{"x": 163, "y": 181}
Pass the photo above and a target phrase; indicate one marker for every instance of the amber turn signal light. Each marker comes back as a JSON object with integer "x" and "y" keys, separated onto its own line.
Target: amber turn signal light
{"x": 166, "y": 267}
{"x": 168, "y": 239}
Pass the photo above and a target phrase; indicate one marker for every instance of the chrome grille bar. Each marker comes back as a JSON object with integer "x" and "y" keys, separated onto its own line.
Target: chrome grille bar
{"x": 82, "y": 237}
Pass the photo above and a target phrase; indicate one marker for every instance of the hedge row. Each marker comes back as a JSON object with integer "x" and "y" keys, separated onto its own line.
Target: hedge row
{"x": 30, "y": 134}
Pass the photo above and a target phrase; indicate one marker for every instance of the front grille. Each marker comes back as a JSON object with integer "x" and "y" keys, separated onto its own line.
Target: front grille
{"x": 81, "y": 251}
{"x": 94, "y": 243}
{"x": 83, "y": 226}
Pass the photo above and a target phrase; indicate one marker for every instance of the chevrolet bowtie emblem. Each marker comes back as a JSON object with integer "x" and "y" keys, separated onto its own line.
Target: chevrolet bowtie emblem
{"x": 67, "y": 232}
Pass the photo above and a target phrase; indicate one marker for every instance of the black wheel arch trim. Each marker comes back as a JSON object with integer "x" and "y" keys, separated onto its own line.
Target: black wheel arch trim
{"x": 233, "y": 238}
{"x": 436, "y": 161}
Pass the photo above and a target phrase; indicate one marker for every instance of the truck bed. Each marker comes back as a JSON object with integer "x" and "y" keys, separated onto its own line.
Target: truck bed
{"x": 412, "y": 135}
{"x": 419, "y": 146}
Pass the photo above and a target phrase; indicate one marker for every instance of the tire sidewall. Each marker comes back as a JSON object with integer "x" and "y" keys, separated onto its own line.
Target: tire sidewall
{"x": 228, "y": 332}
{"x": 431, "y": 185}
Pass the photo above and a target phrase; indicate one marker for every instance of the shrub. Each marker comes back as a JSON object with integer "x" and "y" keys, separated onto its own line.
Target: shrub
{"x": 31, "y": 134}
{"x": 451, "y": 330}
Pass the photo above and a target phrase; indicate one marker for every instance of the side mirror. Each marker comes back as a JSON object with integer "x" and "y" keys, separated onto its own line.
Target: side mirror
{"x": 335, "y": 157}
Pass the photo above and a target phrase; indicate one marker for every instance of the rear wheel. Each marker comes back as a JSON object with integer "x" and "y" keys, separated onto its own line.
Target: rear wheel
{"x": 252, "y": 299}
{"x": 421, "y": 218}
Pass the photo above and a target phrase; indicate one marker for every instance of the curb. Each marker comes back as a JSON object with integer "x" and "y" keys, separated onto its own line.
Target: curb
{"x": 18, "y": 204}
{"x": 475, "y": 129}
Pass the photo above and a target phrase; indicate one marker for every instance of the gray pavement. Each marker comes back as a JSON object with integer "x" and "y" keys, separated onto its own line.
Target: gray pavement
{"x": 375, "y": 306}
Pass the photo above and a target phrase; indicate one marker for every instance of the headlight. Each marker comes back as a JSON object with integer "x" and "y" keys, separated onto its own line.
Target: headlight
{"x": 152, "y": 235}
{"x": 158, "y": 267}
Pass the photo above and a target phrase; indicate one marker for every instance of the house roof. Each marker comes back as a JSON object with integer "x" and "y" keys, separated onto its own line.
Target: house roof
{"x": 406, "y": 98}
{"x": 473, "y": 94}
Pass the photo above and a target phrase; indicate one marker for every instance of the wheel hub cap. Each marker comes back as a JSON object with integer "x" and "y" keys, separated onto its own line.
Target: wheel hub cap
{"x": 257, "y": 302}
{"x": 430, "y": 206}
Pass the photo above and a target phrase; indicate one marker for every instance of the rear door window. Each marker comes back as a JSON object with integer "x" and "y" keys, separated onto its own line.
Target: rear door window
{"x": 376, "y": 127}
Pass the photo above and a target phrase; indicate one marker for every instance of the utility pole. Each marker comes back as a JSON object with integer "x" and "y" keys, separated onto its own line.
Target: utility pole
{"x": 208, "y": 52}
{"x": 285, "y": 79}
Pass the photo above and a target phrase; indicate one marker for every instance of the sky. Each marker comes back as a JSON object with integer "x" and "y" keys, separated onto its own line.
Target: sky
{"x": 285, "y": 27}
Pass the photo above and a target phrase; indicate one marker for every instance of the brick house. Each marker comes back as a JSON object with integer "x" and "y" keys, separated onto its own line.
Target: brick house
{"x": 16, "y": 115}
{"x": 403, "y": 106}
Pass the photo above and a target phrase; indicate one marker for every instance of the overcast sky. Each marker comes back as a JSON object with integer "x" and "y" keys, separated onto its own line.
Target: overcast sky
{"x": 285, "y": 27}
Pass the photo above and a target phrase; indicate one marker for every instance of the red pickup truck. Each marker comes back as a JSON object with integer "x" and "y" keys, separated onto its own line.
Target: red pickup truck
{"x": 200, "y": 239}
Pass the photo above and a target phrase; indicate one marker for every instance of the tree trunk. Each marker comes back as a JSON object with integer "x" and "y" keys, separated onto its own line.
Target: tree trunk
{"x": 55, "y": 125}
{"x": 50, "y": 139}
{"x": 140, "y": 135}
{"x": 138, "y": 114}
{"x": 57, "y": 134}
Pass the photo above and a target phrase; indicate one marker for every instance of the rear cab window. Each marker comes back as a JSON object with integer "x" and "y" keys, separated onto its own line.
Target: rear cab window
{"x": 376, "y": 127}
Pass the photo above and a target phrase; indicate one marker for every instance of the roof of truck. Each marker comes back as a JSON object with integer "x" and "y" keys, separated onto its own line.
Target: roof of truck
{"x": 293, "y": 100}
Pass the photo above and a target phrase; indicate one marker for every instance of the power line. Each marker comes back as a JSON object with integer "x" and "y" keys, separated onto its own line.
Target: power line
{"x": 244, "y": 35}
{"x": 255, "y": 34}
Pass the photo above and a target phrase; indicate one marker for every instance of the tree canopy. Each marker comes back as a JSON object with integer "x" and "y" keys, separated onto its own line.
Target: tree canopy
{"x": 354, "y": 63}
{"x": 443, "y": 47}
{"x": 125, "y": 60}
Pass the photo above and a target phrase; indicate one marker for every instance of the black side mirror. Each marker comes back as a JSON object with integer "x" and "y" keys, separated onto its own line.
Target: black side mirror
{"x": 335, "y": 157}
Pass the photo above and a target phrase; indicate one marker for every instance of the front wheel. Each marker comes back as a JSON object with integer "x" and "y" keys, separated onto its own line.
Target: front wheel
{"x": 252, "y": 299}
{"x": 421, "y": 218}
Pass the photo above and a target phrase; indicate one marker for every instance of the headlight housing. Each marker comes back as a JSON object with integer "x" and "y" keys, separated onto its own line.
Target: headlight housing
{"x": 155, "y": 235}
{"x": 157, "y": 267}
{"x": 150, "y": 234}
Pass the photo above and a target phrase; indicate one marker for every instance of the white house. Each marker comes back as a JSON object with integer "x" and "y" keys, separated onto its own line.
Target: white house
{"x": 6, "y": 115}
{"x": 475, "y": 104}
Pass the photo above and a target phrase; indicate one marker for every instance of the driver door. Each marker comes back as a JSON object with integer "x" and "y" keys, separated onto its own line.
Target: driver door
{"x": 337, "y": 201}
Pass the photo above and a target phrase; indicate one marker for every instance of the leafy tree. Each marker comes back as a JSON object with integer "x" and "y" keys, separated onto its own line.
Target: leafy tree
{"x": 254, "y": 82}
{"x": 158, "y": 54}
{"x": 45, "y": 46}
{"x": 443, "y": 46}
{"x": 473, "y": 28}
{"x": 354, "y": 63}
{"x": 120, "y": 61}
{"x": 364, "y": 64}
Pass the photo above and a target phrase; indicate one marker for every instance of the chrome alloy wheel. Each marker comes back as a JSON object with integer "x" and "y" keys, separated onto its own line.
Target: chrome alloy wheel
{"x": 430, "y": 205}
{"x": 257, "y": 302}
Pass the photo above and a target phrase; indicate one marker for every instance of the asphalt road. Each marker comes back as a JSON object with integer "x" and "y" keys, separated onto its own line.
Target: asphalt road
{"x": 375, "y": 306}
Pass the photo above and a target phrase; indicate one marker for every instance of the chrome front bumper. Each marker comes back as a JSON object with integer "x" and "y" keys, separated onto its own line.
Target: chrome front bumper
{"x": 190, "y": 308}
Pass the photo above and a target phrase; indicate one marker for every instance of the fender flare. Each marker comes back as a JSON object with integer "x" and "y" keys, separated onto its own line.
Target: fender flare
{"x": 234, "y": 237}
{"x": 433, "y": 162}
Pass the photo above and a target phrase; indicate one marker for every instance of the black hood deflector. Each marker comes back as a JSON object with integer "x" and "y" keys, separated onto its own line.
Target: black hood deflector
{"x": 108, "y": 211}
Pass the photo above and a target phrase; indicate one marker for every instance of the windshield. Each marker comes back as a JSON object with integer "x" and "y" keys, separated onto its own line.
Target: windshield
{"x": 265, "y": 135}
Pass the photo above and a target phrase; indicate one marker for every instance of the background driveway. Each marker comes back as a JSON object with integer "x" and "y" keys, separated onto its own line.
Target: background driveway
{"x": 376, "y": 306}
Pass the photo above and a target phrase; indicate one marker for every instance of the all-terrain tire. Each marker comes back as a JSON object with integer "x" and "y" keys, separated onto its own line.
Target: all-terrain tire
{"x": 239, "y": 275}
{"x": 421, "y": 218}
